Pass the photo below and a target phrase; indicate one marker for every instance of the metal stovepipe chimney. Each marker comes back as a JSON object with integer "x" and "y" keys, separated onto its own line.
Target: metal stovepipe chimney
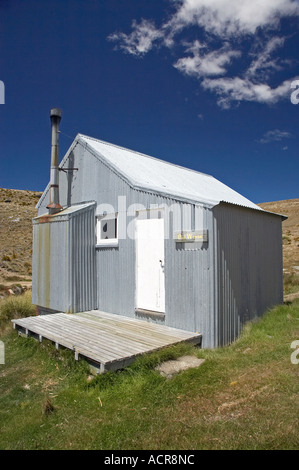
{"x": 54, "y": 206}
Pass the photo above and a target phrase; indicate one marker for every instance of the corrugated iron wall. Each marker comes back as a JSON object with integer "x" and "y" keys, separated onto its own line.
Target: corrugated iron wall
{"x": 50, "y": 265}
{"x": 189, "y": 283}
{"x": 82, "y": 256}
{"x": 249, "y": 273}
{"x": 63, "y": 268}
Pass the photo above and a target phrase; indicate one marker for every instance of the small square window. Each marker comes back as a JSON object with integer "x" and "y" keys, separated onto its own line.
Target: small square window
{"x": 107, "y": 230}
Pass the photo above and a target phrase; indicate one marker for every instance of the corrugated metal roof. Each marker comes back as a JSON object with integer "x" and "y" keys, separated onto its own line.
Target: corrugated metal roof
{"x": 151, "y": 174}
{"x": 65, "y": 212}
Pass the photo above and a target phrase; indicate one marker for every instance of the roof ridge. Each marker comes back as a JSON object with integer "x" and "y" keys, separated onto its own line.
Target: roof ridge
{"x": 145, "y": 155}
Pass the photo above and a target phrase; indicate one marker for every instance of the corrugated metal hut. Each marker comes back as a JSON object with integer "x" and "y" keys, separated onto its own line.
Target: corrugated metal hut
{"x": 144, "y": 238}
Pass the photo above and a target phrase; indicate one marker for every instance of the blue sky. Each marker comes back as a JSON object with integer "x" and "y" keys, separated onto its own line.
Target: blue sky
{"x": 201, "y": 83}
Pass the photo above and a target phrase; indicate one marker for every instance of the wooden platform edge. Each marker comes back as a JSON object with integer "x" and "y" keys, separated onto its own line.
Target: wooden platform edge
{"x": 97, "y": 367}
{"x": 118, "y": 364}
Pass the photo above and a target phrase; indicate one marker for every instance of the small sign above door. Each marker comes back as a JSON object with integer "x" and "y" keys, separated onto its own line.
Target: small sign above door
{"x": 191, "y": 236}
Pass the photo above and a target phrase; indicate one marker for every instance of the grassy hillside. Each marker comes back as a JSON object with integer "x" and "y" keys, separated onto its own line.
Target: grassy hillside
{"x": 290, "y": 228}
{"x": 244, "y": 396}
{"x": 17, "y": 208}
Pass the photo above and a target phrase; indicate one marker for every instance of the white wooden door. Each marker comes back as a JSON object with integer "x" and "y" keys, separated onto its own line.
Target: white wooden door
{"x": 150, "y": 279}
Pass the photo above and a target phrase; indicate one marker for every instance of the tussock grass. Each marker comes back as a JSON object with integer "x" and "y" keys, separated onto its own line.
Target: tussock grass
{"x": 16, "y": 306}
{"x": 243, "y": 396}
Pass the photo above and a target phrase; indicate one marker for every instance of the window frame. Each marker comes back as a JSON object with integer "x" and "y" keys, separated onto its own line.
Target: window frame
{"x": 102, "y": 242}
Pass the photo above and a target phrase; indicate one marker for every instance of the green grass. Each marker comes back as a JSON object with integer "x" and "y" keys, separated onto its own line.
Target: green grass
{"x": 244, "y": 396}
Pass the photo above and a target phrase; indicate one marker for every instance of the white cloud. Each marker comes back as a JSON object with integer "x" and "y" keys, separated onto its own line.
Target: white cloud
{"x": 228, "y": 18}
{"x": 141, "y": 39}
{"x": 222, "y": 18}
{"x": 240, "y": 89}
{"x": 225, "y": 23}
{"x": 202, "y": 65}
{"x": 263, "y": 62}
{"x": 275, "y": 136}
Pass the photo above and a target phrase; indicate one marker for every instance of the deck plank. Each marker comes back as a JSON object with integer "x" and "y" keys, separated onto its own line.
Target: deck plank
{"x": 112, "y": 341}
{"x": 148, "y": 330}
{"x": 111, "y": 336}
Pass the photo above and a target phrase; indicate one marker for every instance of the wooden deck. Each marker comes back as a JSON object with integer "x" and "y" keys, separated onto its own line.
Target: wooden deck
{"x": 107, "y": 341}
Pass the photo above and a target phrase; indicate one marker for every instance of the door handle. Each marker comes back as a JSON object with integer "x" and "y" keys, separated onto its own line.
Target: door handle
{"x": 162, "y": 265}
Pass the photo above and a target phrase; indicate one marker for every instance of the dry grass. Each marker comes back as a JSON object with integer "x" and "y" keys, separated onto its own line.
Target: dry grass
{"x": 48, "y": 407}
{"x": 290, "y": 227}
{"x": 291, "y": 283}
